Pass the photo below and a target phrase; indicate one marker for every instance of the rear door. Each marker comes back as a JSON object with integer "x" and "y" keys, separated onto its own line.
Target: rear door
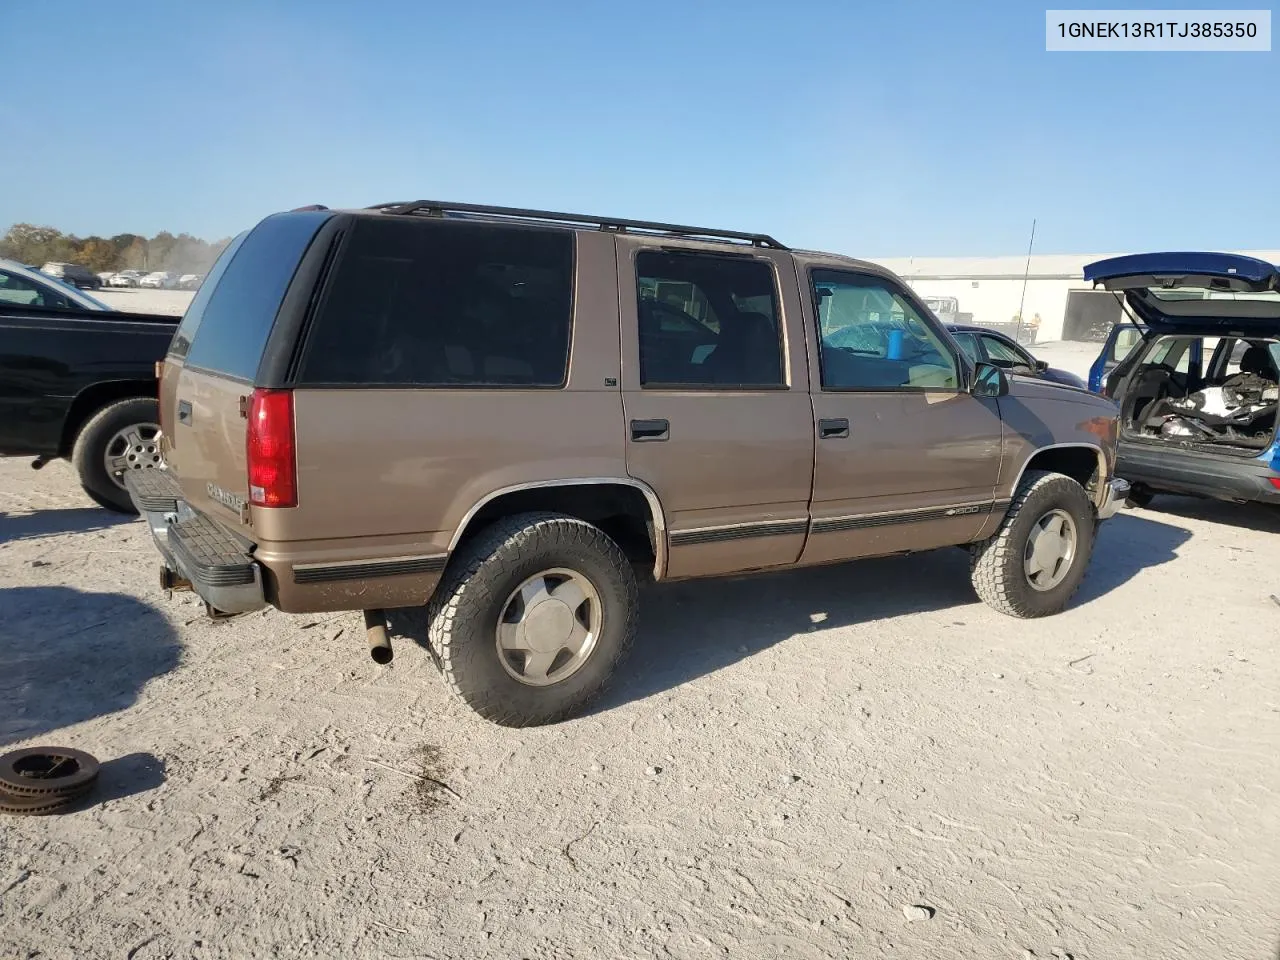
{"x": 214, "y": 359}
{"x": 716, "y": 400}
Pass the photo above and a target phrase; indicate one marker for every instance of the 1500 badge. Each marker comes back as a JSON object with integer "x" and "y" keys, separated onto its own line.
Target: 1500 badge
{"x": 224, "y": 497}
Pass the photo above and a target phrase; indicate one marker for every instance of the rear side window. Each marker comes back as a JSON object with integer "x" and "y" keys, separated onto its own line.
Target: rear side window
{"x": 445, "y": 304}
{"x": 226, "y": 327}
{"x": 707, "y": 321}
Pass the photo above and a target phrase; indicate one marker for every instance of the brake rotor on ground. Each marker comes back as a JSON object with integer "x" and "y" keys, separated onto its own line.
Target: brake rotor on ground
{"x": 34, "y": 806}
{"x": 47, "y": 773}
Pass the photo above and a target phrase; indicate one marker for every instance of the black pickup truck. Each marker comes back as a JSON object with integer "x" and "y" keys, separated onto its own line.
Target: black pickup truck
{"x": 80, "y": 383}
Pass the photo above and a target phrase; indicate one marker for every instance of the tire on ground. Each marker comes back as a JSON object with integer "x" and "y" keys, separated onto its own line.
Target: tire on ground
{"x": 463, "y": 614}
{"x": 91, "y": 443}
{"x": 996, "y": 564}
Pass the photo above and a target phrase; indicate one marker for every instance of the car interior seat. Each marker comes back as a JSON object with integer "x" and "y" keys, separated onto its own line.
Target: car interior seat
{"x": 747, "y": 352}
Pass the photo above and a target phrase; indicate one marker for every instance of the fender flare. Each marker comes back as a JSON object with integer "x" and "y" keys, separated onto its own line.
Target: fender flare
{"x": 656, "y": 514}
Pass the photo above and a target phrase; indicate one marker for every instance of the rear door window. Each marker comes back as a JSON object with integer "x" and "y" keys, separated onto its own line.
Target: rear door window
{"x": 226, "y": 327}
{"x": 415, "y": 302}
{"x": 707, "y": 321}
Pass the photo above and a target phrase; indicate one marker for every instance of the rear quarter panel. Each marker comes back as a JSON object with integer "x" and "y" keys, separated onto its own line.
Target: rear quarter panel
{"x": 393, "y": 472}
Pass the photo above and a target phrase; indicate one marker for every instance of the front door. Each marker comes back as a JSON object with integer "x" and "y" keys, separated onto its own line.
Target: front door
{"x": 716, "y": 398}
{"x": 907, "y": 458}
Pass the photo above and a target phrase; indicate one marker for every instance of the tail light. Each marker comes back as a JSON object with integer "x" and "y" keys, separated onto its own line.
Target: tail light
{"x": 1275, "y": 482}
{"x": 269, "y": 445}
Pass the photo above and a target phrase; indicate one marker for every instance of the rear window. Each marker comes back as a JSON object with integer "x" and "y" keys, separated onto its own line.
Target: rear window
{"x": 226, "y": 327}
{"x": 431, "y": 303}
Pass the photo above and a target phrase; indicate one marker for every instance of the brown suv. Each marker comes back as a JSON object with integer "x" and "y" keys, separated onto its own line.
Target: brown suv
{"x": 506, "y": 416}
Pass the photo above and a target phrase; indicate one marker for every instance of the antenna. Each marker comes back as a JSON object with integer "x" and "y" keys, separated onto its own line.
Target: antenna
{"x": 1026, "y": 273}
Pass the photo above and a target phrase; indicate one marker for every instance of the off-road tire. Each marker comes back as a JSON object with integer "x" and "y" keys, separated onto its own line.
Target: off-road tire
{"x": 91, "y": 442}
{"x": 463, "y": 614}
{"x": 996, "y": 564}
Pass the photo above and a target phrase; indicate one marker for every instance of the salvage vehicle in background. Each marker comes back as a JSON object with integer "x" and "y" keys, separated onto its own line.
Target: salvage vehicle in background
{"x": 125, "y": 278}
{"x": 24, "y": 286}
{"x": 160, "y": 280}
{"x": 983, "y": 345}
{"x": 78, "y": 381}
{"x": 1199, "y": 385}
{"x": 74, "y": 274}
{"x": 507, "y": 415}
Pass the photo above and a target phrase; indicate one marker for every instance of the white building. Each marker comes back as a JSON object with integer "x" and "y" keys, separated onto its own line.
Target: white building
{"x": 991, "y": 288}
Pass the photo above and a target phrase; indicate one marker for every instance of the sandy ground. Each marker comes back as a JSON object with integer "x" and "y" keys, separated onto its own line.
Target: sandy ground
{"x": 145, "y": 300}
{"x": 785, "y": 763}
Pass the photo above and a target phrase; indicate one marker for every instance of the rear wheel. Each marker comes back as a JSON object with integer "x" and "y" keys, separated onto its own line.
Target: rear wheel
{"x": 1034, "y": 563}
{"x": 118, "y": 438}
{"x": 532, "y": 618}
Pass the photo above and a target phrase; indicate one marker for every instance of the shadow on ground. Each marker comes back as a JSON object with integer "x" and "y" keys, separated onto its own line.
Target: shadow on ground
{"x": 69, "y": 656}
{"x": 693, "y": 628}
{"x": 45, "y": 523}
{"x": 124, "y": 777}
{"x": 1263, "y": 517}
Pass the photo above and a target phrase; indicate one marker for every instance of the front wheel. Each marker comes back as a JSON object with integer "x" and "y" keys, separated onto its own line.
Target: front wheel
{"x": 532, "y": 618}
{"x": 1034, "y": 563}
{"x": 121, "y": 437}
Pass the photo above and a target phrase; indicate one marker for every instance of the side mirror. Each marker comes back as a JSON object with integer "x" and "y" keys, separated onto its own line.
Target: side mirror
{"x": 989, "y": 381}
{"x": 1042, "y": 366}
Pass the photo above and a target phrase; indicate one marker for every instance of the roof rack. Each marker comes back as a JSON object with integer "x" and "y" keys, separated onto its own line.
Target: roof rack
{"x": 435, "y": 208}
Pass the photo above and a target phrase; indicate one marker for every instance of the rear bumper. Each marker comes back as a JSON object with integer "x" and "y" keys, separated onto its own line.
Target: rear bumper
{"x": 216, "y": 563}
{"x": 1198, "y": 474}
{"x": 1113, "y": 498}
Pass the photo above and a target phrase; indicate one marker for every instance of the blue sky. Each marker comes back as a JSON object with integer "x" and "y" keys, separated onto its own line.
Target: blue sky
{"x": 900, "y": 129}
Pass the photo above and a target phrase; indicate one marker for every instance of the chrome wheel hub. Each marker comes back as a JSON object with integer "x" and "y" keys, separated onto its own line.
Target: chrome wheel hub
{"x": 136, "y": 447}
{"x": 548, "y": 627}
{"x": 1051, "y": 548}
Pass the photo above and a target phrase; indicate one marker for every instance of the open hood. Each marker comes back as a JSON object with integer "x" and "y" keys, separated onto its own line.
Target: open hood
{"x": 1209, "y": 293}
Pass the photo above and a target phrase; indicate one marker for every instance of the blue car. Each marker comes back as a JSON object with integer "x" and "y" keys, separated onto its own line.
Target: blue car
{"x": 1196, "y": 374}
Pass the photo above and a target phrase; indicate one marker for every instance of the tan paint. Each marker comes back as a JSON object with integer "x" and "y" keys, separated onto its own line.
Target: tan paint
{"x": 732, "y": 455}
{"x": 396, "y": 474}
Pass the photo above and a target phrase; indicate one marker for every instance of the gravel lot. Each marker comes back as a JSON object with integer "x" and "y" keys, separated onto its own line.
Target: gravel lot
{"x": 145, "y": 300}
{"x": 787, "y": 765}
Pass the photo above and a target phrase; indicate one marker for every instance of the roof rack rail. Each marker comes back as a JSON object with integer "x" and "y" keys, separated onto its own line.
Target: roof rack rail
{"x": 436, "y": 208}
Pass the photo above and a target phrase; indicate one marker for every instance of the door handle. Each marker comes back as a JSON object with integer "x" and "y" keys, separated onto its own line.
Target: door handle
{"x": 184, "y": 412}
{"x": 833, "y": 429}
{"x": 649, "y": 430}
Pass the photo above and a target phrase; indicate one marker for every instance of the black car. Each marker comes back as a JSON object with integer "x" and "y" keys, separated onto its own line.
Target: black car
{"x": 983, "y": 345}
{"x": 78, "y": 380}
{"x": 74, "y": 274}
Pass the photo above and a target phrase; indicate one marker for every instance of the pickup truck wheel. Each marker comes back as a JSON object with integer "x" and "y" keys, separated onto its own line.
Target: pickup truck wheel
{"x": 120, "y": 437}
{"x": 1034, "y": 563}
{"x": 532, "y": 617}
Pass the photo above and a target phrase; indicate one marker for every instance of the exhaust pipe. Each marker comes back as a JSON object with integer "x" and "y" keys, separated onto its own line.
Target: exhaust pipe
{"x": 375, "y": 625}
